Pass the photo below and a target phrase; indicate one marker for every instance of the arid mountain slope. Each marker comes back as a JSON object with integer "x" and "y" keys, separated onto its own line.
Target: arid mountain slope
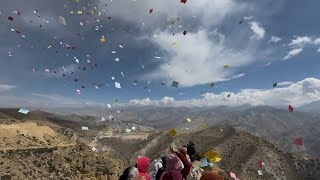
{"x": 42, "y": 150}
{"x": 240, "y": 153}
{"x": 276, "y": 125}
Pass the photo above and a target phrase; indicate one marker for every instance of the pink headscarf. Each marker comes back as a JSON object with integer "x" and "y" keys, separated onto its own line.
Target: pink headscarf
{"x": 174, "y": 166}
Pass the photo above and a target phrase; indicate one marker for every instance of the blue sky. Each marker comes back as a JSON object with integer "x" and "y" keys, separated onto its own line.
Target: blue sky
{"x": 214, "y": 38}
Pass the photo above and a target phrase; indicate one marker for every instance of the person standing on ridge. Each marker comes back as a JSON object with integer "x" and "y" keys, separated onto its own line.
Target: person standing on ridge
{"x": 178, "y": 166}
{"x": 191, "y": 151}
{"x": 163, "y": 169}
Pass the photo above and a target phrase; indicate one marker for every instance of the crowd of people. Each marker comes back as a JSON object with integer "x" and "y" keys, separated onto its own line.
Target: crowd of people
{"x": 177, "y": 165}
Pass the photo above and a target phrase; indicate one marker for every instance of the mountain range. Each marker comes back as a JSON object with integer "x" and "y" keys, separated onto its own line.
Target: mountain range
{"x": 51, "y": 146}
{"x": 279, "y": 126}
{"x": 274, "y": 124}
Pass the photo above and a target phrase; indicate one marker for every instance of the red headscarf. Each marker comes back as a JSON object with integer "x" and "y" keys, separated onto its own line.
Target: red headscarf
{"x": 142, "y": 165}
{"x": 209, "y": 175}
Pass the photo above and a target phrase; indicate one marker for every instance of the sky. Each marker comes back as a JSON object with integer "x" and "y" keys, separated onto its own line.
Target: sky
{"x": 72, "y": 53}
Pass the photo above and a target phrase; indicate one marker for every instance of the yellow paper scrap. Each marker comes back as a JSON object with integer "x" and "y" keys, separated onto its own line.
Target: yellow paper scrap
{"x": 79, "y": 12}
{"x": 172, "y": 132}
{"x": 188, "y": 120}
{"x": 213, "y": 156}
{"x": 201, "y": 125}
{"x": 102, "y": 39}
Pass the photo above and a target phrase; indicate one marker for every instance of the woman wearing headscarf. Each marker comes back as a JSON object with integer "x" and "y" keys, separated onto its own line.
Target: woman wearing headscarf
{"x": 178, "y": 165}
{"x": 142, "y": 165}
{"x": 130, "y": 173}
{"x": 183, "y": 156}
{"x": 163, "y": 169}
{"x": 209, "y": 175}
{"x": 173, "y": 168}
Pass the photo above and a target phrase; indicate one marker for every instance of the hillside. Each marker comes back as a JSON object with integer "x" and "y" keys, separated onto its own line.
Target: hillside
{"x": 29, "y": 135}
{"x": 49, "y": 148}
{"x": 37, "y": 150}
{"x": 276, "y": 125}
{"x": 73, "y": 121}
{"x": 240, "y": 153}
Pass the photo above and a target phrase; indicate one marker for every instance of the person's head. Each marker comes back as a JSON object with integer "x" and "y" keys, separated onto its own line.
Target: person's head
{"x": 209, "y": 175}
{"x": 173, "y": 163}
{"x": 130, "y": 173}
{"x": 191, "y": 143}
{"x": 184, "y": 150}
{"x": 143, "y": 164}
{"x": 164, "y": 161}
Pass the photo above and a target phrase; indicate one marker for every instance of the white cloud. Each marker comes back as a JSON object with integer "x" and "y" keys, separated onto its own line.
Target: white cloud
{"x": 285, "y": 83}
{"x": 52, "y": 97}
{"x": 238, "y": 76}
{"x": 275, "y": 39}
{"x": 292, "y": 53}
{"x": 61, "y": 70}
{"x": 5, "y": 87}
{"x": 31, "y": 20}
{"x": 316, "y": 41}
{"x": 68, "y": 69}
{"x": 198, "y": 58}
{"x": 142, "y": 102}
{"x": 259, "y": 31}
{"x": 265, "y": 65}
{"x": 204, "y": 10}
{"x": 165, "y": 101}
{"x": 248, "y": 18}
{"x": 297, "y": 94}
{"x": 58, "y": 100}
{"x": 40, "y": 101}
{"x": 301, "y": 41}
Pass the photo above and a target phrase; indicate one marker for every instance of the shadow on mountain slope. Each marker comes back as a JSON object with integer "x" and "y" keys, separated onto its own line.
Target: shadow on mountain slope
{"x": 240, "y": 153}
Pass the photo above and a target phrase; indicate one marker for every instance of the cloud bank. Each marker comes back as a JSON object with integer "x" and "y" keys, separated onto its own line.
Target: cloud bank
{"x": 298, "y": 44}
{"x": 275, "y": 39}
{"x": 296, "y": 94}
{"x": 198, "y": 58}
{"x": 6, "y": 87}
{"x": 292, "y": 53}
{"x": 257, "y": 29}
{"x": 205, "y": 10}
